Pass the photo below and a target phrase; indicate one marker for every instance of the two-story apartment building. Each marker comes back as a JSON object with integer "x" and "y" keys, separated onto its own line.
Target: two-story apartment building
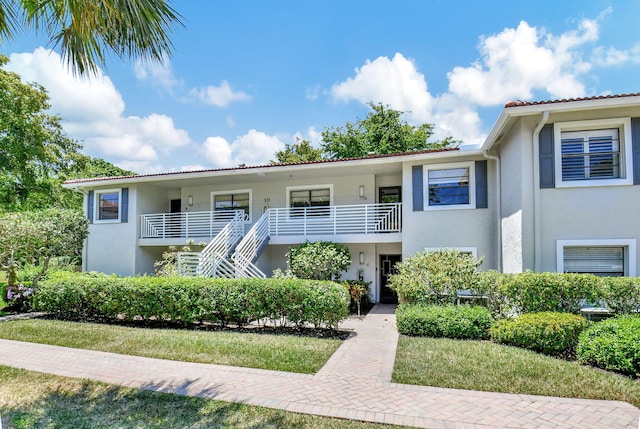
{"x": 555, "y": 187}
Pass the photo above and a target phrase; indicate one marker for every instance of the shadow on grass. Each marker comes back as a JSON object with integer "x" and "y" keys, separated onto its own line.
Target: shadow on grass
{"x": 95, "y": 405}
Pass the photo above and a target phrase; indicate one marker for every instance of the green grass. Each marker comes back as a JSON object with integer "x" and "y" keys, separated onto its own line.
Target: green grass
{"x": 266, "y": 351}
{"x": 35, "y": 400}
{"x": 481, "y": 365}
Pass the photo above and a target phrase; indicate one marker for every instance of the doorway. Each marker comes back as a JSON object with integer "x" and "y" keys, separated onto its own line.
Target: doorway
{"x": 390, "y": 194}
{"x": 387, "y": 268}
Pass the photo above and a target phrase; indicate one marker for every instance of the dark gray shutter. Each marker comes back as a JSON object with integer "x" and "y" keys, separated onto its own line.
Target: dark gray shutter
{"x": 635, "y": 143}
{"x": 418, "y": 188}
{"x": 482, "y": 193}
{"x": 124, "y": 206}
{"x": 90, "y": 206}
{"x": 546, "y": 161}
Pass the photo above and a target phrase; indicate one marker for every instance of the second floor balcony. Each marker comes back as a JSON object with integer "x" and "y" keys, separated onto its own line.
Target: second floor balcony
{"x": 286, "y": 225}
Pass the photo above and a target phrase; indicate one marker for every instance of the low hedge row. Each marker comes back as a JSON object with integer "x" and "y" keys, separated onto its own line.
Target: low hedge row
{"x": 450, "y": 321}
{"x": 613, "y": 344}
{"x": 528, "y": 292}
{"x": 186, "y": 300}
{"x": 546, "y": 332}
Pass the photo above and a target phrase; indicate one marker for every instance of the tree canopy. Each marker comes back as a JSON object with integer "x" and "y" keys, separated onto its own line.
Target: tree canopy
{"x": 33, "y": 146}
{"x": 301, "y": 151}
{"x": 383, "y": 131}
{"x": 36, "y": 155}
{"x": 87, "y": 30}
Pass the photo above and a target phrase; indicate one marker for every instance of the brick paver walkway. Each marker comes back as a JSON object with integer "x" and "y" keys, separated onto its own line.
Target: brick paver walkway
{"x": 354, "y": 384}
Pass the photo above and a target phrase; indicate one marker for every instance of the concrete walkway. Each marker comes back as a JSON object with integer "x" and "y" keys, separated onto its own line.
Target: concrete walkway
{"x": 355, "y": 384}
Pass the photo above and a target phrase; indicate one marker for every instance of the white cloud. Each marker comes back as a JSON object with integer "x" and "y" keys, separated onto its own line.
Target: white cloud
{"x": 252, "y": 148}
{"x": 398, "y": 83}
{"x": 159, "y": 74}
{"x": 519, "y": 60}
{"x": 395, "y": 82}
{"x": 219, "y": 96}
{"x": 92, "y": 110}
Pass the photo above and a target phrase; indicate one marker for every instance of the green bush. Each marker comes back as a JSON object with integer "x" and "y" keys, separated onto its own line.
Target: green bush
{"x": 613, "y": 344}
{"x": 320, "y": 260}
{"x": 186, "y": 300}
{"x": 434, "y": 277}
{"x": 536, "y": 292}
{"x": 546, "y": 332}
{"x": 450, "y": 321}
{"x": 621, "y": 294}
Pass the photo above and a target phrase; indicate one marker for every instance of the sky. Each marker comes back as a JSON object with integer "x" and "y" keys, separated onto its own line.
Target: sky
{"x": 248, "y": 77}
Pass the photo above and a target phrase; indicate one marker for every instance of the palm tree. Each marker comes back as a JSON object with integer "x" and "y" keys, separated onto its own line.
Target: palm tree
{"x": 86, "y": 29}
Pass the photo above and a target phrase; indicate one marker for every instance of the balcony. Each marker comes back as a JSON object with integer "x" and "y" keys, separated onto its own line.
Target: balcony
{"x": 175, "y": 228}
{"x": 286, "y": 225}
{"x": 335, "y": 220}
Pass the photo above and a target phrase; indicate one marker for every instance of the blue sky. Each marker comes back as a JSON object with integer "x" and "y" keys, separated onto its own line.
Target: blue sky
{"x": 248, "y": 77}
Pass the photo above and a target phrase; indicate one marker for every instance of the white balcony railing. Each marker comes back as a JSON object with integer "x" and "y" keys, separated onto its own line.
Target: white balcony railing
{"x": 336, "y": 220}
{"x": 185, "y": 224}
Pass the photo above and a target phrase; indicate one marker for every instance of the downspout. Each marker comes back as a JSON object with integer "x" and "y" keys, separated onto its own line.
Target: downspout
{"x": 537, "y": 232}
{"x": 495, "y": 158}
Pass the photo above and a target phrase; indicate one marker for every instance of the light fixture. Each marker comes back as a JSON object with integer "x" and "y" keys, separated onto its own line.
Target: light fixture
{"x": 361, "y": 191}
{"x": 190, "y": 200}
{"x": 361, "y": 258}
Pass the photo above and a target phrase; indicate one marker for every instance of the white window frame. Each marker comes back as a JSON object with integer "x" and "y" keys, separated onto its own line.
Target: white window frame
{"x": 626, "y": 162}
{"x": 96, "y": 205}
{"x": 629, "y": 246}
{"x": 288, "y": 190}
{"x": 232, "y": 192}
{"x": 471, "y": 165}
{"x": 472, "y": 250}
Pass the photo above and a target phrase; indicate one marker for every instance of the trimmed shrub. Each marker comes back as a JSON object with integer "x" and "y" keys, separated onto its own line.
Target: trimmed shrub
{"x": 551, "y": 333}
{"x": 450, "y": 321}
{"x": 613, "y": 344}
{"x": 539, "y": 292}
{"x": 186, "y": 300}
{"x": 621, "y": 294}
{"x": 434, "y": 277}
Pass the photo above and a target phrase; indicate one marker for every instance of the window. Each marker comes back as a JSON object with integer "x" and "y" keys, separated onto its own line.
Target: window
{"x": 107, "y": 206}
{"x": 450, "y": 186}
{"x": 593, "y": 153}
{"x": 233, "y": 200}
{"x": 312, "y": 200}
{"x": 599, "y": 257}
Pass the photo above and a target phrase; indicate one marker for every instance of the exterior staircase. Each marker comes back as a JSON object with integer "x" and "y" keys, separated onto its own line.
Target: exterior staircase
{"x": 231, "y": 253}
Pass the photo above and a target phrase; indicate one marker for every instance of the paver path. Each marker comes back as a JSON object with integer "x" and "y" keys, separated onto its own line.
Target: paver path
{"x": 354, "y": 384}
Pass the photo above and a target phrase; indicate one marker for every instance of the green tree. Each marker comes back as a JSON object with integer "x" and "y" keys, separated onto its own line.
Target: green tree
{"x": 383, "y": 131}
{"x": 38, "y": 236}
{"x": 87, "y": 30}
{"x": 34, "y": 150}
{"x": 321, "y": 260}
{"x": 300, "y": 151}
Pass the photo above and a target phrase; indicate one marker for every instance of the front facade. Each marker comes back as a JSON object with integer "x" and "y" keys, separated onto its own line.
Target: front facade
{"x": 554, "y": 188}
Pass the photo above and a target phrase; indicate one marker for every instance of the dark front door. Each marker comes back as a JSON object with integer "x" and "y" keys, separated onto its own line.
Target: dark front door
{"x": 390, "y": 194}
{"x": 387, "y": 268}
{"x": 174, "y": 224}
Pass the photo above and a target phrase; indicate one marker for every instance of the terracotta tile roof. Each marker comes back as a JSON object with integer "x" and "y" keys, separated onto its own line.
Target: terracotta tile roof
{"x": 520, "y": 103}
{"x": 250, "y": 167}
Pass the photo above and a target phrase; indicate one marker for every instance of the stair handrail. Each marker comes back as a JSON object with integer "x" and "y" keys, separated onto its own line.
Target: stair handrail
{"x": 247, "y": 250}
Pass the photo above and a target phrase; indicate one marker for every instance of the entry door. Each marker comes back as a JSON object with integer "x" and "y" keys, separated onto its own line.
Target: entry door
{"x": 174, "y": 225}
{"x": 387, "y": 268}
{"x": 390, "y": 194}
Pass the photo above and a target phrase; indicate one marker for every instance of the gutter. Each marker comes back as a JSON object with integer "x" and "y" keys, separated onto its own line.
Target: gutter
{"x": 537, "y": 233}
{"x": 495, "y": 158}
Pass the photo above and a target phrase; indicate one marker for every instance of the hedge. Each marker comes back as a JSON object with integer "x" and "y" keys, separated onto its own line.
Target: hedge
{"x": 613, "y": 344}
{"x": 450, "y": 321}
{"x": 187, "y": 300}
{"x": 546, "y": 332}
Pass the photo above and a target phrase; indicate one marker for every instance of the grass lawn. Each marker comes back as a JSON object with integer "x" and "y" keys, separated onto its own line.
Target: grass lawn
{"x": 35, "y": 400}
{"x": 253, "y": 350}
{"x": 480, "y": 365}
